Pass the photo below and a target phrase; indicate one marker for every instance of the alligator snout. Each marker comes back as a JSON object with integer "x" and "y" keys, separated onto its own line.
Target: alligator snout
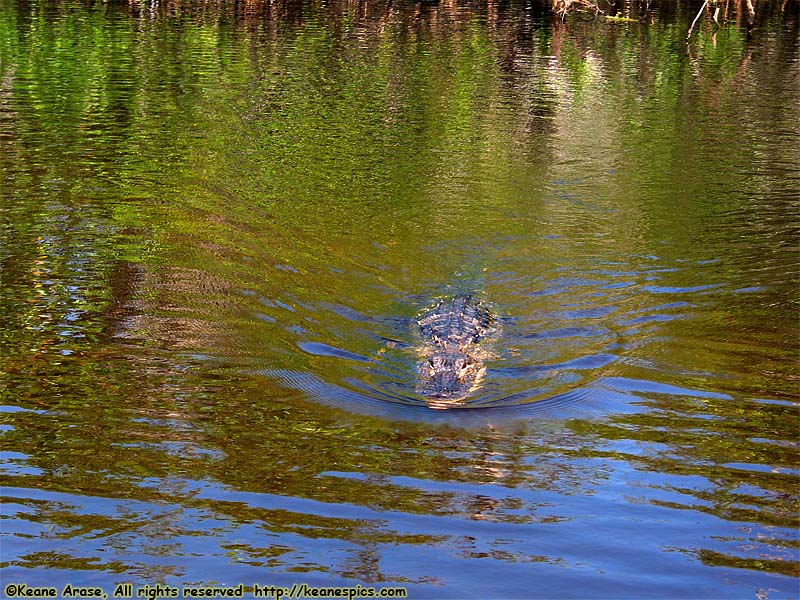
{"x": 449, "y": 375}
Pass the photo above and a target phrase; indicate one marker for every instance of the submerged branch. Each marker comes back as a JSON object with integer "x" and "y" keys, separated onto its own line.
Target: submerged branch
{"x": 638, "y": 10}
{"x": 697, "y": 17}
{"x": 563, "y": 7}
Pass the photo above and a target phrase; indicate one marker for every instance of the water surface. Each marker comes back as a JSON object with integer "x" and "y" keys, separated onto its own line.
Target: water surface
{"x": 219, "y": 226}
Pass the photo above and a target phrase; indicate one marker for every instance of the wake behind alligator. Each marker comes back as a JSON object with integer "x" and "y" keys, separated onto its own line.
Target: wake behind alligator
{"x": 452, "y": 364}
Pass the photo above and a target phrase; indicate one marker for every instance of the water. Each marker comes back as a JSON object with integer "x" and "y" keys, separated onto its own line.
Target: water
{"x": 218, "y": 228}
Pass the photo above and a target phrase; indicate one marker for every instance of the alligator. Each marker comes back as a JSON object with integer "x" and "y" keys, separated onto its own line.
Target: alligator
{"x": 452, "y": 363}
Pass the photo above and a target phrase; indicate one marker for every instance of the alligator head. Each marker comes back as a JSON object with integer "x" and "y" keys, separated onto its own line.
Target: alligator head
{"x": 448, "y": 375}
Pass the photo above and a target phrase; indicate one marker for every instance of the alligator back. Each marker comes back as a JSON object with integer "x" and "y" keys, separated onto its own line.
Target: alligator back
{"x": 458, "y": 322}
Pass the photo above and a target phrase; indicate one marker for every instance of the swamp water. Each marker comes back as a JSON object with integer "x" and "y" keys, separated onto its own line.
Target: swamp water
{"x": 219, "y": 226}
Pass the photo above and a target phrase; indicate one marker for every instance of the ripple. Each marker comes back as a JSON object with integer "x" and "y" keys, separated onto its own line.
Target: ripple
{"x": 586, "y": 402}
{"x": 639, "y": 385}
{"x": 320, "y": 349}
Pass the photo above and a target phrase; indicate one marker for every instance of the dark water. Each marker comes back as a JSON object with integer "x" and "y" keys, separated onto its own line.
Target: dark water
{"x": 219, "y": 224}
